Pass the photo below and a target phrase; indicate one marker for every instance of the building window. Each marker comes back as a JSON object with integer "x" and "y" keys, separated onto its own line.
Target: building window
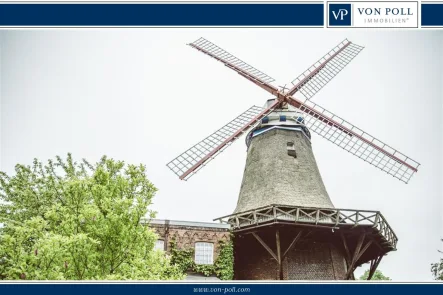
{"x": 159, "y": 245}
{"x": 291, "y": 149}
{"x": 204, "y": 253}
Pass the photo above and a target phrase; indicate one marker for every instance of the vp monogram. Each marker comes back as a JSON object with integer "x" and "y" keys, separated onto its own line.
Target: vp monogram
{"x": 340, "y": 13}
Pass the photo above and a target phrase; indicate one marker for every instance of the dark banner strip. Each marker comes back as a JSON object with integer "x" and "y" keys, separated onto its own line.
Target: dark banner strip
{"x": 165, "y": 15}
{"x": 432, "y": 14}
{"x": 229, "y": 288}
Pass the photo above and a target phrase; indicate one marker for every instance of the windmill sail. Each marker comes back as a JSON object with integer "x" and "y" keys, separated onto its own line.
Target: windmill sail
{"x": 356, "y": 141}
{"x": 190, "y": 161}
{"x": 249, "y": 72}
{"x": 317, "y": 119}
{"x": 324, "y": 70}
{"x": 222, "y": 55}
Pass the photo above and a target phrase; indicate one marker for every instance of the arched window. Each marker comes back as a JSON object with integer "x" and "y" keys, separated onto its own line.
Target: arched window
{"x": 204, "y": 253}
{"x": 159, "y": 245}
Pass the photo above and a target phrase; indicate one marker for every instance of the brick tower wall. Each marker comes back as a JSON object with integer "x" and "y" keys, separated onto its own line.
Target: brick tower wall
{"x": 308, "y": 260}
{"x": 315, "y": 261}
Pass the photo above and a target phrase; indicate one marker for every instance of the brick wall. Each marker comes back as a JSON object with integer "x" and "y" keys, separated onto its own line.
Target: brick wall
{"x": 252, "y": 261}
{"x": 308, "y": 260}
{"x": 187, "y": 236}
{"x": 314, "y": 261}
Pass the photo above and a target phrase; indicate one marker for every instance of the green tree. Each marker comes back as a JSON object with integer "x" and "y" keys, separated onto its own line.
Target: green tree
{"x": 437, "y": 268}
{"x": 378, "y": 276}
{"x": 79, "y": 221}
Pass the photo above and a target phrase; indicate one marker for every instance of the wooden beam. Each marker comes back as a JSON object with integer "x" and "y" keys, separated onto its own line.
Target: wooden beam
{"x": 279, "y": 259}
{"x": 277, "y": 240}
{"x": 265, "y": 246}
{"x": 294, "y": 241}
{"x": 310, "y": 226}
{"x": 358, "y": 247}
{"x": 363, "y": 250}
{"x": 166, "y": 241}
{"x": 356, "y": 252}
{"x": 345, "y": 246}
{"x": 359, "y": 251}
{"x": 374, "y": 264}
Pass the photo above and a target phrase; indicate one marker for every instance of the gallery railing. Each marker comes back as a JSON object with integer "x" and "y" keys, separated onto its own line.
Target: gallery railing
{"x": 325, "y": 217}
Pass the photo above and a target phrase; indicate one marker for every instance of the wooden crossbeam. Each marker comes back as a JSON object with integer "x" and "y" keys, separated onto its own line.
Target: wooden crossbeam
{"x": 279, "y": 257}
{"x": 265, "y": 246}
{"x": 358, "y": 252}
{"x": 374, "y": 264}
{"x": 294, "y": 241}
{"x": 363, "y": 250}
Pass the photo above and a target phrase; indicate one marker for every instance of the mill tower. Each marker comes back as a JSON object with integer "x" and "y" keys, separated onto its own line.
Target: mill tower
{"x": 280, "y": 166}
{"x": 285, "y": 225}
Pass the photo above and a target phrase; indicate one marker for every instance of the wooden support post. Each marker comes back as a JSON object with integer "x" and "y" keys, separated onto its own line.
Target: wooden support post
{"x": 279, "y": 259}
{"x": 358, "y": 252}
{"x": 166, "y": 241}
{"x": 348, "y": 254}
{"x": 374, "y": 264}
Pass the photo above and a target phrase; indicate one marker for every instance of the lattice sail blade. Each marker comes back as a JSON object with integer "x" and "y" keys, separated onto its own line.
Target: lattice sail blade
{"x": 231, "y": 61}
{"x": 193, "y": 159}
{"x": 324, "y": 70}
{"x": 356, "y": 141}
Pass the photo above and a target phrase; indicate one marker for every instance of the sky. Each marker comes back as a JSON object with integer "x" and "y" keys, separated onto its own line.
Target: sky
{"x": 143, "y": 96}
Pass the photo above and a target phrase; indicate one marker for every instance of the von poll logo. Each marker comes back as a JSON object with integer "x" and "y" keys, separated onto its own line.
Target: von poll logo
{"x": 340, "y": 14}
{"x": 373, "y": 14}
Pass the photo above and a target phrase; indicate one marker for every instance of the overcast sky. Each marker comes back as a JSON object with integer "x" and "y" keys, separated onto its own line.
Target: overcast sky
{"x": 143, "y": 96}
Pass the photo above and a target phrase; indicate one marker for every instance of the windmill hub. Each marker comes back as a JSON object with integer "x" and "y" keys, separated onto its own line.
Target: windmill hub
{"x": 284, "y": 118}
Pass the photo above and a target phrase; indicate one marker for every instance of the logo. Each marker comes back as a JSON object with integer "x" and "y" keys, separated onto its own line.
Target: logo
{"x": 373, "y": 14}
{"x": 340, "y": 14}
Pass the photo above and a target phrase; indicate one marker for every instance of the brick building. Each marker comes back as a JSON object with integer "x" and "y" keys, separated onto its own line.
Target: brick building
{"x": 203, "y": 237}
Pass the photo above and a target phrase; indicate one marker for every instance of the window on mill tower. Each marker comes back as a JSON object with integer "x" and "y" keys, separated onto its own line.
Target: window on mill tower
{"x": 291, "y": 149}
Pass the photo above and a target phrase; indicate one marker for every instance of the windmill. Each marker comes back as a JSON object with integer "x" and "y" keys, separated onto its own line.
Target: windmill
{"x": 283, "y": 204}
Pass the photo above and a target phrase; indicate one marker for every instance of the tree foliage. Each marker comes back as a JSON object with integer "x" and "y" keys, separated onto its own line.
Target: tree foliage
{"x": 437, "y": 269}
{"x": 79, "y": 221}
{"x": 378, "y": 276}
